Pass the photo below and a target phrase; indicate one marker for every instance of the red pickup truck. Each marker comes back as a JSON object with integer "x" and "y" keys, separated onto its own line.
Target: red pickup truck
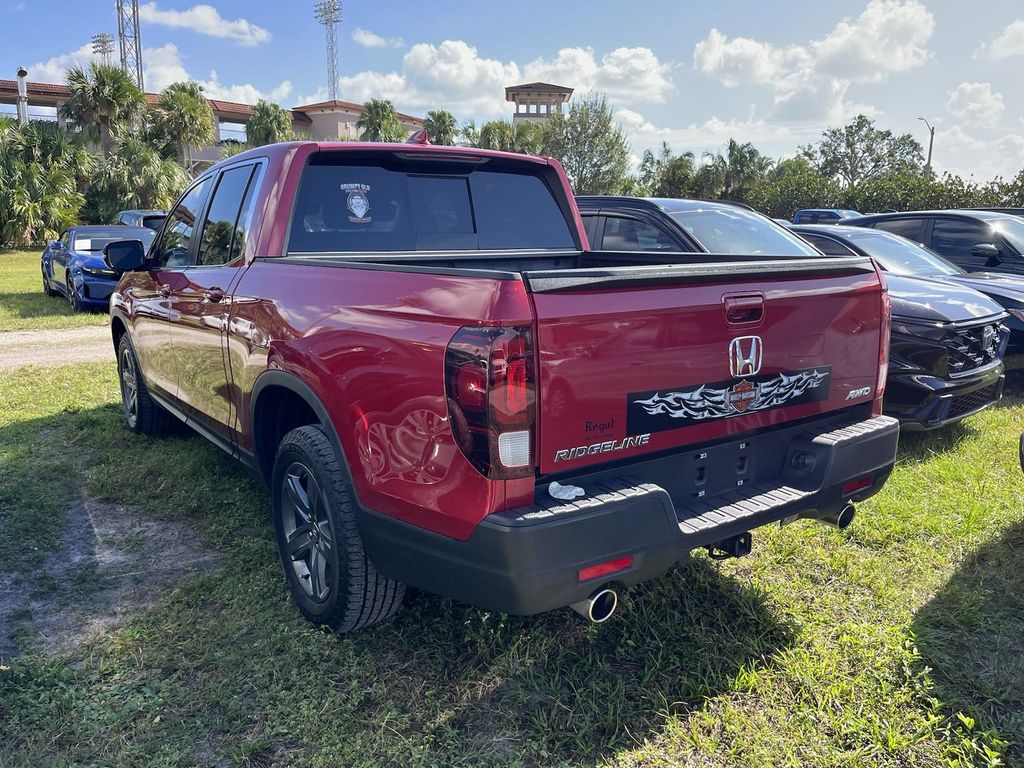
{"x": 443, "y": 387}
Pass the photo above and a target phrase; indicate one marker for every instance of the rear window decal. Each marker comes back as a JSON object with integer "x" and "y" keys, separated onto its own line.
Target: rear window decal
{"x": 358, "y": 202}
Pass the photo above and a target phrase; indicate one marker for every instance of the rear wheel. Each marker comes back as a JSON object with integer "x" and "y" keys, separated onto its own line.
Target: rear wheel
{"x": 331, "y": 579}
{"x": 141, "y": 414}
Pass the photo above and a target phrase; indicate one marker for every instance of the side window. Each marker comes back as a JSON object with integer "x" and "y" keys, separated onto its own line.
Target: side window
{"x": 632, "y": 235}
{"x": 176, "y": 242}
{"x": 223, "y": 233}
{"x": 590, "y": 222}
{"x": 956, "y": 237}
{"x": 828, "y": 246}
{"x": 908, "y": 228}
{"x": 65, "y": 240}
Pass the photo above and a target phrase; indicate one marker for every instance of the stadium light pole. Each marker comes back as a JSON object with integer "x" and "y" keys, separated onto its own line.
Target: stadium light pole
{"x": 931, "y": 142}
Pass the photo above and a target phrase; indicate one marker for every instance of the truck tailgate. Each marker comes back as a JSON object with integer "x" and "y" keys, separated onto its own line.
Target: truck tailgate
{"x": 637, "y": 360}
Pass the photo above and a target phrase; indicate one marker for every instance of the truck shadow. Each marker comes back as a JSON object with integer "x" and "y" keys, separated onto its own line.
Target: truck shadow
{"x": 970, "y": 635}
{"x": 585, "y": 692}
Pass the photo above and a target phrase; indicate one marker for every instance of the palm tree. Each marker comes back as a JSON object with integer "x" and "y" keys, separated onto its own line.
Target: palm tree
{"x": 134, "y": 175}
{"x": 379, "y": 122}
{"x": 511, "y": 137}
{"x": 268, "y": 124}
{"x": 105, "y": 97}
{"x": 441, "y": 127}
{"x": 184, "y": 116}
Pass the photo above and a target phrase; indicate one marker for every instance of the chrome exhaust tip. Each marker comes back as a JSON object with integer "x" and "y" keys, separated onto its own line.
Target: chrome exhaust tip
{"x": 599, "y": 606}
{"x": 841, "y": 519}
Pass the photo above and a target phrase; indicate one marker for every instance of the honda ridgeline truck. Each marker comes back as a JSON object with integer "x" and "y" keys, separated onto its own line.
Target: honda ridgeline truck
{"x": 444, "y": 387}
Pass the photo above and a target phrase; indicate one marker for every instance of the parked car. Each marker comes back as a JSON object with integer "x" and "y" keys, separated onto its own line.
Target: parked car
{"x": 1009, "y": 211}
{"x": 978, "y": 241}
{"x": 823, "y": 215}
{"x": 619, "y": 223}
{"x": 948, "y": 339}
{"x": 73, "y": 266}
{"x": 443, "y": 387}
{"x": 141, "y": 218}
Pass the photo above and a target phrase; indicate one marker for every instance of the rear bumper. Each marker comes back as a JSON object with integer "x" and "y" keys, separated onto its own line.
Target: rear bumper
{"x": 923, "y": 402}
{"x": 527, "y": 561}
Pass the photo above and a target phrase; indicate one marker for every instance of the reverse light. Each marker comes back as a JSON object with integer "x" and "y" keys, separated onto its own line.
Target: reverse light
{"x": 489, "y": 381}
{"x": 606, "y": 568}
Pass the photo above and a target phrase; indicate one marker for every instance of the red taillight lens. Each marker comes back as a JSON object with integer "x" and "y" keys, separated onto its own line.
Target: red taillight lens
{"x": 490, "y": 385}
{"x": 856, "y": 485}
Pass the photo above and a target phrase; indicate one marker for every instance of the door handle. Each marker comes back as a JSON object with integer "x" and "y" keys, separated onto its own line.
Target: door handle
{"x": 743, "y": 310}
{"x": 213, "y": 294}
{"x": 164, "y": 290}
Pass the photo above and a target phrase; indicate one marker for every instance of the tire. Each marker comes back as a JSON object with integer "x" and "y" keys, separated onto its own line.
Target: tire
{"x": 73, "y": 299}
{"x": 331, "y": 580}
{"x": 47, "y": 290}
{"x": 141, "y": 414}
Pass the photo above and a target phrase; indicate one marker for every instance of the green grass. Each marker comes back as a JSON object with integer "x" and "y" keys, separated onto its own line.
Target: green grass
{"x": 23, "y": 306}
{"x": 896, "y": 643}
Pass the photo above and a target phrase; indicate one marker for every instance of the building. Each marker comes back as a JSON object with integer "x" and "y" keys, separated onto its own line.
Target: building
{"x": 325, "y": 120}
{"x": 536, "y": 102}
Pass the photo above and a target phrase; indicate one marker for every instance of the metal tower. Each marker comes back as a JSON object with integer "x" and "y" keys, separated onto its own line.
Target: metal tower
{"x": 103, "y": 46}
{"x": 131, "y": 41}
{"x": 328, "y": 13}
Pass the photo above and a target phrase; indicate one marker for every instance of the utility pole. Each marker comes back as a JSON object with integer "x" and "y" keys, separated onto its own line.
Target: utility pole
{"x": 328, "y": 13}
{"x": 931, "y": 143}
{"x": 103, "y": 46}
{"x": 131, "y": 41}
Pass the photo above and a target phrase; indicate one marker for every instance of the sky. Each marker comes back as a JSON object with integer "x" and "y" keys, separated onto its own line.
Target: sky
{"x": 692, "y": 74}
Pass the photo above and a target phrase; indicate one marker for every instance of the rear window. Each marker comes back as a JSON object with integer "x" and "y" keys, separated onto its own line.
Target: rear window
{"x": 372, "y": 206}
{"x": 739, "y": 231}
{"x": 153, "y": 222}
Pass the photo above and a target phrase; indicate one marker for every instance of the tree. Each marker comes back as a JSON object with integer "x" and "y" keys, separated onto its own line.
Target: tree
{"x": 859, "y": 151}
{"x": 105, "y": 97}
{"x": 134, "y": 175}
{"x": 441, "y": 127}
{"x": 590, "y": 145}
{"x": 379, "y": 122}
{"x": 505, "y": 136}
{"x": 469, "y": 134}
{"x": 184, "y": 116}
{"x": 793, "y": 184}
{"x": 268, "y": 124}
{"x": 40, "y": 172}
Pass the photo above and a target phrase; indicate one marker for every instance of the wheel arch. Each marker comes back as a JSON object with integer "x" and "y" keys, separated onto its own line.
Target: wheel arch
{"x": 297, "y": 405}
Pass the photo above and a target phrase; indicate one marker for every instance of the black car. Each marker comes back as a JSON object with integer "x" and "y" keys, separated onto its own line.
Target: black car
{"x": 149, "y": 219}
{"x": 900, "y": 256}
{"x": 978, "y": 241}
{"x": 947, "y": 341}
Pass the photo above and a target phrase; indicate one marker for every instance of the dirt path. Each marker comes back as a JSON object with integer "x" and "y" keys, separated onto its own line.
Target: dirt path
{"x": 55, "y": 347}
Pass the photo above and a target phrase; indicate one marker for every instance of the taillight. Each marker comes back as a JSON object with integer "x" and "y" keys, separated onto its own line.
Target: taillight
{"x": 490, "y": 386}
{"x": 883, "y": 346}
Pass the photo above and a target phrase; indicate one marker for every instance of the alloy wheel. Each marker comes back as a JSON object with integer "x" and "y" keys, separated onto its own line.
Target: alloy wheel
{"x": 70, "y": 285}
{"x": 308, "y": 533}
{"x": 129, "y": 387}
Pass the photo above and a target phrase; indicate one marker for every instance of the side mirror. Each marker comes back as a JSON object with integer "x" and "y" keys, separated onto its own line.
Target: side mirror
{"x": 55, "y": 245}
{"x": 988, "y": 251}
{"x": 124, "y": 255}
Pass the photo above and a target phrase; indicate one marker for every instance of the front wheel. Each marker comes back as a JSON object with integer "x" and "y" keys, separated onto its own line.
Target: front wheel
{"x": 331, "y": 579}
{"x": 141, "y": 414}
{"x": 73, "y": 298}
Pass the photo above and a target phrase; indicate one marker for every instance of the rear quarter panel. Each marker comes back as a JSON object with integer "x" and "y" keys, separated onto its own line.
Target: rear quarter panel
{"x": 371, "y": 345}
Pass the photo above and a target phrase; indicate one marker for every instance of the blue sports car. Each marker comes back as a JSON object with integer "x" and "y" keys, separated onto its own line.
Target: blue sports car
{"x": 73, "y": 266}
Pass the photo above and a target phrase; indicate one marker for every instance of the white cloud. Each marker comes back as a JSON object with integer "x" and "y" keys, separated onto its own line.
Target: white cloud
{"x": 206, "y": 20}
{"x": 961, "y": 150}
{"x": 810, "y": 82}
{"x": 54, "y": 69}
{"x": 454, "y": 75}
{"x": 163, "y": 66}
{"x": 976, "y": 103}
{"x": 368, "y": 39}
{"x": 1009, "y": 42}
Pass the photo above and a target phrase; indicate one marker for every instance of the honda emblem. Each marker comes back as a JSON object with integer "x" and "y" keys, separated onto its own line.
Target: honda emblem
{"x": 745, "y": 356}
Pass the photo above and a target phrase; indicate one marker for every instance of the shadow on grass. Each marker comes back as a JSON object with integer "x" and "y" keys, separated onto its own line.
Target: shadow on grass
{"x": 443, "y": 683}
{"x": 919, "y": 447}
{"x": 28, "y": 305}
{"x": 972, "y": 636}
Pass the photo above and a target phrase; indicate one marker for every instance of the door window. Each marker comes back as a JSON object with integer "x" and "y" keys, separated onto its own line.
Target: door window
{"x": 176, "y": 242}
{"x": 632, "y": 235}
{"x": 223, "y": 233}
{"x": 956, "y": 237}
{"x": 908, "y": 228}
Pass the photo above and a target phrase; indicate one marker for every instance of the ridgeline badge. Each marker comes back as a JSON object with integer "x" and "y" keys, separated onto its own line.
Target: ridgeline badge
{"x": 358, "y": 202}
